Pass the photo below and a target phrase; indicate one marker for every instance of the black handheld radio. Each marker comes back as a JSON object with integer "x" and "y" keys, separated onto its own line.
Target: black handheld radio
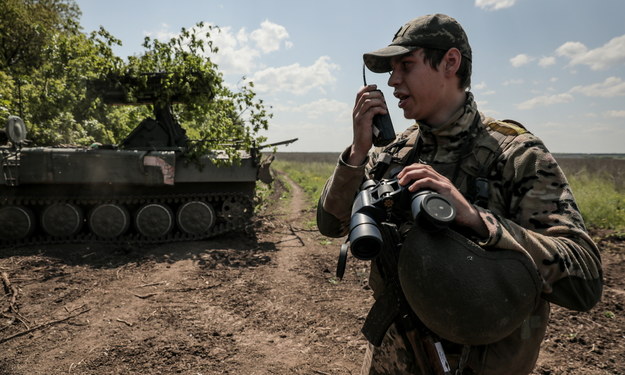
{"x": 383, "y": 132}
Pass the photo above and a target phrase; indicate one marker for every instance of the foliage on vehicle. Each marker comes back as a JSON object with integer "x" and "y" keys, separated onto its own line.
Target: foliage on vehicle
{"x": 46, "y": 62}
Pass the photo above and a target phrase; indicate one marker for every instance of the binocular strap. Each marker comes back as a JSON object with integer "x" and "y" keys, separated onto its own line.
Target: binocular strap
{"x": 382, "y": 314}
{"x": 389, "y": 304}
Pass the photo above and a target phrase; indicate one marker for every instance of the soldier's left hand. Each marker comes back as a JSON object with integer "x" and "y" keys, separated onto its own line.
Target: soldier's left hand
{"x": 423, "y": 177}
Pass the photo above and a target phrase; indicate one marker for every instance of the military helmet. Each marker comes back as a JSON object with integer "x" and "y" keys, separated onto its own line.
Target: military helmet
{"x": 463, "y": 293}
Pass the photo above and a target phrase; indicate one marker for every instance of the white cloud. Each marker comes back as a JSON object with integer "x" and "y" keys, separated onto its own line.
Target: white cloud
{"x": 240, "y": 50}
{"x": 610, "y": 54}
{"x": 571, "y": 49}
{"x": 163, "y": 34}
{"x": 547, "y": 61}
{"x": 296, "y": 79}
{"x": 611, "y": 87}
{"x": 480, "y": 86}
{"x": 234, "y": 55}
{"x": 615, "y": 114}
{"x": 517, "y": 81}
{"x": 545, "y": 101}
{"x": 494, "y": 4}
{"x": 270, "y": 36}
{"x": 520, "y": 60}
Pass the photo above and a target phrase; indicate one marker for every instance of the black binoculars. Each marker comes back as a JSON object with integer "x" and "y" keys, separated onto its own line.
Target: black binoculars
{"x": 376, "y": 201}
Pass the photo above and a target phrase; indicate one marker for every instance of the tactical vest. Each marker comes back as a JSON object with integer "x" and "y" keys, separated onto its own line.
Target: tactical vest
{"x": 474, "y": 174}
{"x": 470, "y": 174}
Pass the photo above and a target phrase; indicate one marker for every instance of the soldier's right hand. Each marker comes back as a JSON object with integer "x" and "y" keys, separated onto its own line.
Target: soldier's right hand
{"x": 369, "y": 102}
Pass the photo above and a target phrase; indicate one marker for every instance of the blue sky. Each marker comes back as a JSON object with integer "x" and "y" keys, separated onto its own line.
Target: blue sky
{"x": 557, "y": 66}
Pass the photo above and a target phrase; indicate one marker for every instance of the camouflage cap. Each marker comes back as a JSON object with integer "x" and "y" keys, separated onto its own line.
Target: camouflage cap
{"x": 436, "y": 31}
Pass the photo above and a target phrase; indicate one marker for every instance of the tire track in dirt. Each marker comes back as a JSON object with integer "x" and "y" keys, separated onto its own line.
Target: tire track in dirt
{"x": 288, "y": 289}
{"x": 306, "y": 335}
{"x": 291, "y": 246}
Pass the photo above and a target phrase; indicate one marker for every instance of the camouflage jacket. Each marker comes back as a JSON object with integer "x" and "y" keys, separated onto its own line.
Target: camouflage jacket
{"x": 530, "y": 209}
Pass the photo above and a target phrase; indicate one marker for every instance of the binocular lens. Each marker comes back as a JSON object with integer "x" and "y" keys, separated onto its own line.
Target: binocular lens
{"x": 366, "y": 247}
{"x": 433, "y": 207}
{"x": 438, "y": 208}
{"x": 365, "y": 237}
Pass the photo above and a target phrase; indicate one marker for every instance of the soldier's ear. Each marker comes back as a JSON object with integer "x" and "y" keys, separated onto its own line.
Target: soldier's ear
{"x": 451, "y": 61}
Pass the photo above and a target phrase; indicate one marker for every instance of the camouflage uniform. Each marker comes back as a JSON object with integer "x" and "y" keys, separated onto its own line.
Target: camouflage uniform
{"x": 530, "y": 209}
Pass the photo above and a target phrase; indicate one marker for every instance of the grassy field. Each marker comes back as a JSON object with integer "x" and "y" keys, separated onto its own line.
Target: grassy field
{"x": 311, "y": 176}
{"x": 597, "y": 182}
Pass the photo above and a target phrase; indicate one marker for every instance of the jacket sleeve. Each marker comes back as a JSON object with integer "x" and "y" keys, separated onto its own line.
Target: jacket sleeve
{"x": 335, "y": 203}
{"x": 534, "y": 212}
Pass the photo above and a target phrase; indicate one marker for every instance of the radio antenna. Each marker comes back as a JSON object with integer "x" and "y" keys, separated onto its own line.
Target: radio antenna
{"x": 364, "y": 79}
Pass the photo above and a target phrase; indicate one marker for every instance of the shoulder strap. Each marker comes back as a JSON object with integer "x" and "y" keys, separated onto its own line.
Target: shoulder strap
{"x": 385, "y": 158}
{"x": 502, "y": 133}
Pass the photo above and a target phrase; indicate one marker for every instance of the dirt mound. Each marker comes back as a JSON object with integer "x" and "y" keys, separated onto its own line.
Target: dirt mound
{"x": 262, "y": 303}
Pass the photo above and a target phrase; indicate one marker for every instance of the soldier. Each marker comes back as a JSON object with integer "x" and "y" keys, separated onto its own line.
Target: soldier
{"x": 515, "y": 216}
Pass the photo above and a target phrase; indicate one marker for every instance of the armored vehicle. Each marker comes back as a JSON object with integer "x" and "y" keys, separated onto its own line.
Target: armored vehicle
{"x": 146, "y": 189}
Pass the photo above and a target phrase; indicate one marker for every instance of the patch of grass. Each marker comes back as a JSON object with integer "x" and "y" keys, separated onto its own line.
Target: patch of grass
{"x": 310, "y": 176}
{"x": 311, "y": 224}
{"x": 601, "y": 203}
{"x": 325, "y": 242}
{"x": 599, "y": 195}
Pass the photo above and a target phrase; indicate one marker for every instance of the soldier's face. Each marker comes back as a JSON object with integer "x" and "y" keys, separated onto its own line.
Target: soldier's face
{"x": 418, "y": 86}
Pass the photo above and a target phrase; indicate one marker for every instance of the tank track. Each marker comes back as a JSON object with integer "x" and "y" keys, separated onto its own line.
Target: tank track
{"x": 222, "y": 225}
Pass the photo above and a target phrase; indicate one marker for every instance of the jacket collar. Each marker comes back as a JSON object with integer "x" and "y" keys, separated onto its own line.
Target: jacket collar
{"x": 447, "y": 143}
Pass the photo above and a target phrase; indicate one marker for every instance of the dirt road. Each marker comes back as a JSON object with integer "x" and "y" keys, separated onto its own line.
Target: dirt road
{"x": 261, "y": 303}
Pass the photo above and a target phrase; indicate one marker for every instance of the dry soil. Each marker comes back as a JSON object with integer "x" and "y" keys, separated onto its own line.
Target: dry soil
{"x": 262, "y": 302}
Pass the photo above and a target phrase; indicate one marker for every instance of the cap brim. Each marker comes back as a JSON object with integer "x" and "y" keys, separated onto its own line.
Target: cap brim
{"x": 380, "y": 61}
